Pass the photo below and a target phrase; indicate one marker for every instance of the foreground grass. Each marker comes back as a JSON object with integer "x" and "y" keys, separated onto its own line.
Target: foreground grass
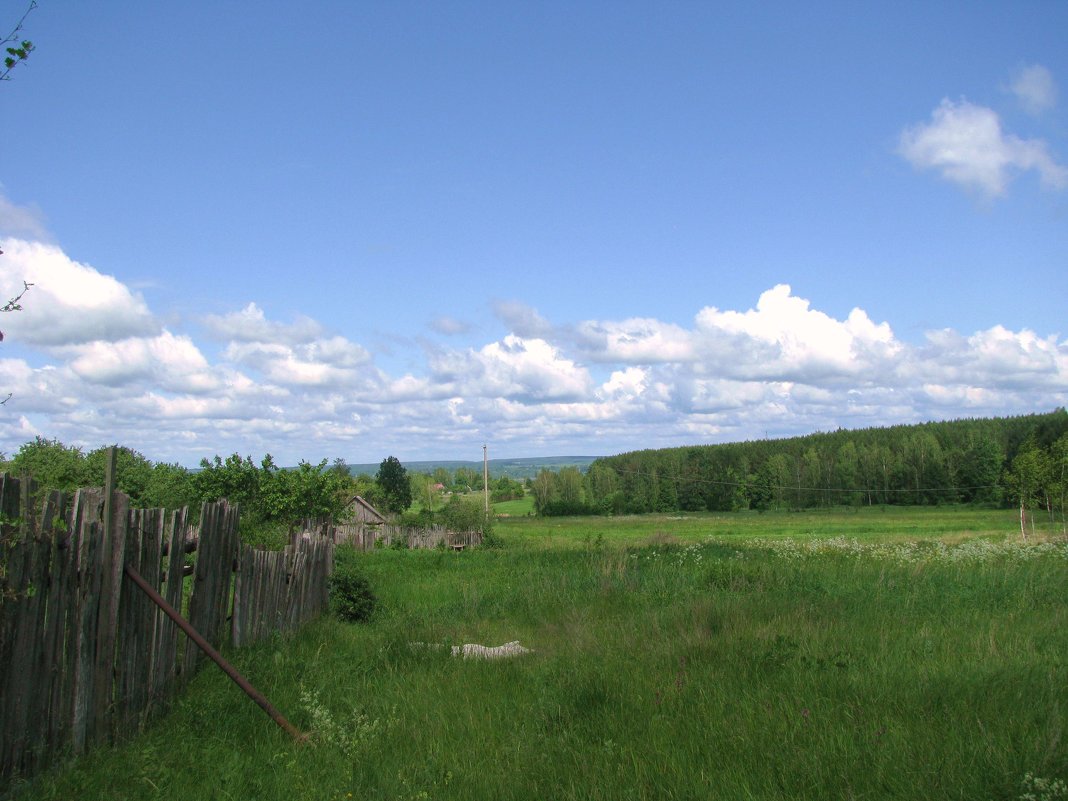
{"x": 769, "y": 662}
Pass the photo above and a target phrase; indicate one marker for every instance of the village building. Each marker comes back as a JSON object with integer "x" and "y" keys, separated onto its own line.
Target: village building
{"x": 360, "y": 511}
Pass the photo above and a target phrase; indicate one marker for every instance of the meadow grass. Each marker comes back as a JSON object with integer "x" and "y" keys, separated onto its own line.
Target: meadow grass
{"x": 882, "y": 522}
{"x": 519, "y": 507}
{"x": 768, "y": 656}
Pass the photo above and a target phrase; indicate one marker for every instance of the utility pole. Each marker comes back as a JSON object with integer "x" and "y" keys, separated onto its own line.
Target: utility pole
{"x": 485, "y": 477}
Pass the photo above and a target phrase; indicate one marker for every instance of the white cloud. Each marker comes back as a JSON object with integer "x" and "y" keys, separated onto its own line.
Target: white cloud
{"x": 781, "y": 367}
{"x": 1035, "y": 89}
{"x": 171, "y": 362}
{"x": 628, "y": 383}
{"x": 784, "y": 338}
{"x": 328, "y": 363}
{"x": 69, "y": 302}
{"x": 995, "y": 358}
{"x": 251, "y": 325}
{"x": 522, "y": 319}
{"x": 635, "y": 341}
{"x": 292, "y": 355}
{"x": 966, "y": 145}
{"x": 515, "y": 368}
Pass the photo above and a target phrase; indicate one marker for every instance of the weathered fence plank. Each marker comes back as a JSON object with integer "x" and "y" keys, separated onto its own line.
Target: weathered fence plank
{"x": 90, "y": 570}
{"x": 37, "y": 680}
{"x": 113, "y": 546}
{"x": 9, "y": 579}
{"x": 203, "y": 577}
{"x": 167, "y": 666}
{"x": 51, "y": 533}
{"x": 27, "y": 575}
{"x": 60, "y": 692}
{"x": 84, "y": 655}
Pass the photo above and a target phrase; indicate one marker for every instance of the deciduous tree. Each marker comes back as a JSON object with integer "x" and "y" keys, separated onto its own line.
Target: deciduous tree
{"x": 392, "y": 480}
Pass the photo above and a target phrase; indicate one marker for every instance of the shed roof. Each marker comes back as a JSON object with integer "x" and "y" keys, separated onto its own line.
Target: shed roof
{"x": 373, "y": 514}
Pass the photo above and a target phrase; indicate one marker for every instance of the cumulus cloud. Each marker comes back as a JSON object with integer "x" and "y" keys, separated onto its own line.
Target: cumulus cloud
{"x": 331, "y": 362}
{"x": 636, "y": 341}
{"x": 995, "y": 358}
{"x": 251, "y": 325}
{"x": 965, "y": 143}
{"x": 784, "y": 338}
{"x": 70, "y": 302}
{"x": 781, "y": 367}
{"x": 628, "y": 383}
{"x": 1034, "y": 89}
{"x": 522, "y": 319}
{"x": 296, "y": 356}
{"x": 169, "y": 361}
{"x": 515, "y": 368}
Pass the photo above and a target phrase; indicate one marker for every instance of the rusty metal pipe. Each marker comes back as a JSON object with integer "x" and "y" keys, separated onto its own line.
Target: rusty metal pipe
{"x": 216, "y": 657}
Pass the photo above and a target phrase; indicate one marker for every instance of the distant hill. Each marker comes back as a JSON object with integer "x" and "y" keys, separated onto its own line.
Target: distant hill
{"x": 513, "y": 468}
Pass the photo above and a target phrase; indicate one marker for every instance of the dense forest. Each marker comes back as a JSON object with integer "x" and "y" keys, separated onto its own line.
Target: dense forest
{"x": 988, "y": 461}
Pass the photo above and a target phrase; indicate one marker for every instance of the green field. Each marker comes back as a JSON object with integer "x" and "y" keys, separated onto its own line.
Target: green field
{"x": 521, "y": 507}
{"x": 869, "y": 654}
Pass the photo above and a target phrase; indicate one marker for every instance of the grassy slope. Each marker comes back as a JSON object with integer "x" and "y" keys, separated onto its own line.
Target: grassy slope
{"x": 692, "y": 670}
{"x": 521, "y": 507}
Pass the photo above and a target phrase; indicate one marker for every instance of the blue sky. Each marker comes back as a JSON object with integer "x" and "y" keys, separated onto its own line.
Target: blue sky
{"x": 362, "y": 229}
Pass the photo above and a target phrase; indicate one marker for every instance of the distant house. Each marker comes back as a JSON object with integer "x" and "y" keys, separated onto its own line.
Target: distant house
{"x": 363, "y": 512}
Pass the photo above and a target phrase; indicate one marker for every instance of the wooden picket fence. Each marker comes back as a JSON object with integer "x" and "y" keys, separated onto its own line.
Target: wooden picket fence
{"x": 85, "y": 656}
{"x": 367, "y": 537}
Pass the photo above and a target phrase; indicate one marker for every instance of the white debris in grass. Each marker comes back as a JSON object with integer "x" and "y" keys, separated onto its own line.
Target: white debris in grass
{"x": 476, "y": 651}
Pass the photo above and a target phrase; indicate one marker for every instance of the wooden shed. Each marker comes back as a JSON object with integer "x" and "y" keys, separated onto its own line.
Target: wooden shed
{"x": 363, "y": 512}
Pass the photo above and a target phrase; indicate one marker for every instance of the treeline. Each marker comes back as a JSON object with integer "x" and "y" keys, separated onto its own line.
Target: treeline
{"x": 463, "y": 480}
{"x": 981, "y": 461}
{"x": 273, "y": 500}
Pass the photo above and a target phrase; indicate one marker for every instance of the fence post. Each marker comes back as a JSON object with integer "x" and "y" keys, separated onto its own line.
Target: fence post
{"x": 114, "y": 542}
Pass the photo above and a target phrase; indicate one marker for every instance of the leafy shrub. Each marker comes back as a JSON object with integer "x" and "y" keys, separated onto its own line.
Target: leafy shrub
{"x": 424, "y": 518}
{"x": 351, "y": 595}
{"x": 568, "y": 509}
{"x": 491, "y": 539}
{"x": 466, "y": 515}
{"x": 266, "y": 536}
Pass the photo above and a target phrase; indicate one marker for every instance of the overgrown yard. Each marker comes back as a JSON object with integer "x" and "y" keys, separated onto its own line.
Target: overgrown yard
{"x": 903, "y": 654}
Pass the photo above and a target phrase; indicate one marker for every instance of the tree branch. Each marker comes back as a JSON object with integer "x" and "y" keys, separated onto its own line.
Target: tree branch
{"x": 13, "y": 304}
{"x": 22, "y": 49}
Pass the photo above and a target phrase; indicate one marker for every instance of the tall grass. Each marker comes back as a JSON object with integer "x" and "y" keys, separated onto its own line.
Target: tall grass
{"x": 668, "y": 663}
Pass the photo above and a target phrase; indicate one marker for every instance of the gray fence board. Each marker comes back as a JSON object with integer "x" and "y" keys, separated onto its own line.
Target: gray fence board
{"x": 85, "y": 657}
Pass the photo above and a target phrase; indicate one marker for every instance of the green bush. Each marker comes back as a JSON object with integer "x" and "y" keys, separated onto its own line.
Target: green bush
{"x": 351, "y": 595}
{"x": 490, "y": 539}
{"x": 462, "y": 514}
{"x": 266, "y": 536}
